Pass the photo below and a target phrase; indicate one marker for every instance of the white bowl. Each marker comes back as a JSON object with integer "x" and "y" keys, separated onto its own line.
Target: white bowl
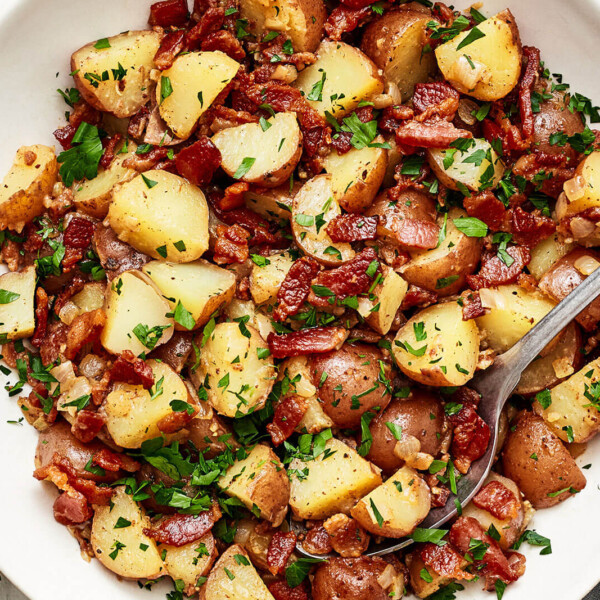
{"x": 37, "y": 38}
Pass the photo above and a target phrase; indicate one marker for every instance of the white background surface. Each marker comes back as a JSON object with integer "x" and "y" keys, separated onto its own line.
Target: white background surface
{"x": 37, "y": 37}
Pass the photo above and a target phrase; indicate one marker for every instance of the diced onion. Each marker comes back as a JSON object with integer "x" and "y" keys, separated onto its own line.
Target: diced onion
{"x": 563, "y": 367}
{"x": 586, "y": 265}
{"x": 582, "y": 227}
{"x": 68, "y": 312}
{"x": 575, "y": 188}
{"x": 387, "y": 577}
{"x": 466, "y": 108}
{"x": 466, "y": 75}
{"x": 491, "y": 298}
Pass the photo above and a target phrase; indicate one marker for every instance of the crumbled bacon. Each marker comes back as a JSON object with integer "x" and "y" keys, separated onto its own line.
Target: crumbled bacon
{"x": 498, "y": 500}
{"x": 280, "y": 549}
{"x": 231, "y": 245}
{"x": 529, "y": 229}
{"x": 154, "y": 159}
{"x": 470, "y": 438}
{"x": 288, "y": 414}
{"x": 415, "y": 234}
{"x": 443, "y": 560}
{"x": 348, "y": 538}
{"x": 256, "y": 225}
{"x": 439, "y": 495}
{"x": 55, "y": 338}
{"x": 137, "y": 123}
{"x": 176, "y": 421}
{"x": 85, "y": 329}
{"x": 526, "y": 84}
{"x": 11, "y": 255}
{"x": 87, "y": 425}
{"x": 350, "y": 279}
{"x": 168, "y": 13}
{"x": 233, "y": 196}
{"x": 280, "y": 590}
{"x": 307, "y": 341}
{"x": 41, "y": 317}
{"x": 353, "y": 228}
{"x": 210, "y": 20}
{"x": 344, "y": 19}
{"x": 71, "y": 508}
{"x": 67, "y": 292}
{"x": 494, "y": 270}
{"x": 472, "y": 307}
{"x": 435, "y": 134}
{"x": 393, "y": 117}
{"x": 130, "y": 369}
{"x": 295, "y": 287}
{"x": 79, "y": 233}
{"x": 432, "y": 94}
{"x": 487, "y": 208}
{"x": 226, "y": 42}
{"x": 170, "y": 46}
{"x": 115, "y": 461}
{"x": 179, "y": 530}
{"x": 110, "y": 147}
{"x": 417, "y": 296}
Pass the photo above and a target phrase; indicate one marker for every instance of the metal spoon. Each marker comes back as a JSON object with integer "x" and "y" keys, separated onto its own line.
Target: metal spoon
{"x": 495, "y": 385}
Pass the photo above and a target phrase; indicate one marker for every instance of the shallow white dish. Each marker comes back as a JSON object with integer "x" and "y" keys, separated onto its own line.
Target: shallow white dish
{"x": 40, "y": 557}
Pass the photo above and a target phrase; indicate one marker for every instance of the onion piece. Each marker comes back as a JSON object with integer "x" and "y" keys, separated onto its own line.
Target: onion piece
{"x": 581, "y": 227}
{"x": 491, "y": 298}
{"x": 586, "y": 265}
{"x": 466, "y": 111}
{"x": 575, "y": 188}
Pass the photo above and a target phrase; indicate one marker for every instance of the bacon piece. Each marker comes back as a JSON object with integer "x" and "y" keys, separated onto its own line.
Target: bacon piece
{"x": 280, "y": 590}
{"x": 352, "y": 228}
{"x": 225, "y": 42}
{"x": 85, "y": 329}
{"x": 498, "y": 500}
{"x": 439, "y": 134}
{"x": 529, "y": 229}
{"x": 87, "y": 425}
{"x": 470, "y": 438}
{"x": 348, "y": 538}
{"x": 73, "y": 287}
{"x": 130, "y": 369}
{"x": 175, "y": 421}
{"x": 231, "y": 245}
{"x": 439, "y": 495}
{"x": 41, "y": 317}
{"x": 79, "y": 233}
{"x": 413, "y": 234}
{"x": 432, "y": 94}
{"x": 295, "y": 287}
{"x": 350, "y": 279}
{"x": 154, "y": 159}
{"x": 281, "y": 547}
{"x": 234, "y": 196}
{"x": 11, "y": 255}
{"x": 170, "y": 46}
{"x": 179, "y": 530}
{"x": 168, "y": 13}
{"x": 393, "y": 117}
{"x": 487, "y": 208}
{"x": 115, "y": 462}
{"x": 288, "y": 414}
{"x": 317, "y": 540}
{"x": 110, "y": 145}
{"x": 116, "y": 256}
{"x": 307, "y": 341}
{"x": 526, "y": 86}
{"x": 344, "y": 19}
{"x": 443, "y": 560}
{"x": 417, "y": 296}
{"x": 55, "y": 338}
{"x": 472, "y": 307}
{"x": 71, "y": 508}
{"x": 210, "y": 20}
{"x": 494, "y": 271}
{"x": 137, "y": 123}
{"x": 71, "y": 258}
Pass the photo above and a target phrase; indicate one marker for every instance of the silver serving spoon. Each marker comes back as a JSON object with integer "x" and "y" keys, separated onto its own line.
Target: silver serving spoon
{"x": 495, "y": 386}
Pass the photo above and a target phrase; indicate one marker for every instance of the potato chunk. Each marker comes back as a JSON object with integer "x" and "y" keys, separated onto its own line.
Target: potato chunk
{"x": 259, "y": 480}
{"x": 201, "y": 287}
{"x": 190, "y": 85}
{"x": 162, "y": 215}
{"x": 336, "y": 479}
{"x": 271, "y": 155}
{"x": 546, "y": 254}
{"x": 266, "y": 280}
{"x": 17, "y": 310}
{"x": 238, "y": 380}
{"x": 116, "y": 79}
{"x": 125, "y": 551}
{"x": 339, "y": 80}
{"x": 135, "y": 305}
{"x": 29, "y": 181}
{"x": 583, "y": 191}
{"x": 190, "y": 561}
{"x": 436, "y": 347}
{"x": 132, "y": 413}
{"x": 496, "y": 57}
{"x": 395, "y": 508}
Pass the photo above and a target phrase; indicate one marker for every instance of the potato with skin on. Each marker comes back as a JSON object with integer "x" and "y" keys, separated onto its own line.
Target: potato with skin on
{"x": 583, "y": 190}
{"x": 444, "y": 269}
{"x": 200, "y": 286}
{"x": 395, "y": 42}
{"x": 121, "y": 550}
{"x": 189, "y": 562}
{"x": 538, "y": 462}
{"x": 162, "y": 215}
{"x": 266, "y": 280}
{"x": 496, "y": 56}
{"x": 547, "y": 253}
{"x": 132, "y": 414}
{"x": 271, "y": 154}
{"x": 17, "y": 314}
{"x": 238, "y": 380}
{"x": 346, "y": 74}
{"x": 188, "y": 88}
{"x": 132, "y": 299}
{"x": 573, "y": 413}
{"x": 234, "y": 577}
{"x": 313, "y": 208}
{"x": 259, "y": 480}
{"x": 30, "y": 179}
{"x": 127, "y": 61}
{"x": 349, "y": 477}
{"x": 396, "y": 507}
{"x": 444, "y": 338}
{"x": 272, "y": 203}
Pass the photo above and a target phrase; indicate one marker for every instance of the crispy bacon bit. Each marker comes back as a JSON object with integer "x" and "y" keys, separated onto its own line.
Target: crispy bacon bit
{"x": 72, "y": 257}
{"x": 394, "y": 116}
{"x": 494, "y": 271}
{"x": 417, "y": 296}
{"x": 348, "y": 538}
{"x": 147, "y": 161}
{"x": 317, "y": 540}
{"x": 41, "y": 317}
{"x": 137, "y": 123}
{"x": 526, "y": 86}
{"x": 233, "y": 196}
{"x": 439, "y": 134}
{"x": 307, "y": 341}
{"x": 179, "y": 530}
{"x": 55, "y": 338}
{"x": 71, "y": 508}
{"x": 231, "y": 245}
{"x": 295, "y": 287}
{"x": 350, "y": 279}
{"x": 280, "y": 590}
{"x": 487, "y": 208}
{"x": 115, "y": 462}
{"x": 472, "y": 307}
{"x": 414, "y": 234}
{"x": 110, "y": 146}
{"x": 353, "y": 228}
{"x": 439, "y": 495}
{"x": 288, "y": 414}
{"x": 498, "y": 500}
{"x": 85, "y": 329}
{"x": 170, "y": 46}
{"x": 225, "y": 42}
{"x": 87, "y": 425}
{"x": 529, "y": 229}
{"x": 210, "y": 20}
{"x": 344, "y": 19}
{"x": 176, "y": 421}
{"x": 443, "y": 560}
{"x": 470, "y": 437}
{"x": 130, "y": 369}
{"x": 11, "y": 255}
{"x": 432, "y": 94}
{"x": 73, "y": 287}
{"x": 281, "y": 547}
{"x": 79, "y": 233}
{"x": 168, "y": 13}
{"x": 116, "y": 256}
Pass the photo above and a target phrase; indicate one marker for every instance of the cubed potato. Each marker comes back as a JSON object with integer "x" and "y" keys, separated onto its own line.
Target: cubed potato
{"x": 116, "y": 79}
{"x": 238, "y": 380}
{"x": 257, "y": 318}
{"x": 132, "y": 413}
{"x": 266, "y": 280}
{"x": 266, "y": 157}
{"x": 259, "y": 481}
{"x": 188, "y": 88}
{"x": 496, "y": 57}
{"x": 357, "y": 175}
{"x": 573, "y": 413}
{"x": 545, "y": 254}
{"x": 201, "y": 287}
{"x": 162, "y": 215}
{"x": 447, "y": 350}
{"x": 272, "y": 203}
{"x": 313, "y": 208}
{"x": 514, "y": 312}
{"x": 396, "y": 507}
{"x": 133, "y": 305}
{"x": 189, "y": 562}
{"x": 126, "y": 551}
{"x": 339, "y": 80}
{"x": 30, "y": 179}
{"x": 583, "y": 191}
{"x": 17, "y": 310}
{"x": 380, "y": 307}
{"x": 349, "y": 477}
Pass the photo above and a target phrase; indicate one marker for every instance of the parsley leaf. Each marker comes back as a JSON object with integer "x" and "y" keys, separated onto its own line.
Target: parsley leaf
{"x": 82, "y": 159}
